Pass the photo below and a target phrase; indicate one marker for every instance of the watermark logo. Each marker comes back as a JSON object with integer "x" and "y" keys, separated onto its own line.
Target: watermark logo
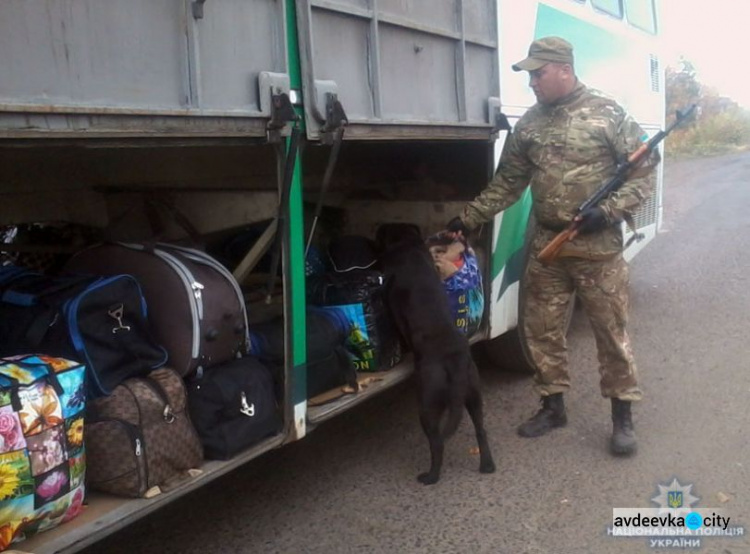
{"x": 678, "y": 522}
{"x": 675, "y": 496}
{"x": 694, "y": 521}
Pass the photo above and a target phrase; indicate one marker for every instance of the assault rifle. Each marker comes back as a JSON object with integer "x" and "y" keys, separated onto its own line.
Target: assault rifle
{"x": 622, "y": 173}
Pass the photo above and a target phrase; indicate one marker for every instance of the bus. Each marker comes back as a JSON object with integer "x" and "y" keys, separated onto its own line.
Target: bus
{"x": 105, "y": 106}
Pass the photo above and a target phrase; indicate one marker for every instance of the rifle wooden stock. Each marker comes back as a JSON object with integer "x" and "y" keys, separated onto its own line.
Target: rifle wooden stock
{"x": 550, "y": 252}
{"x": 640, "y": 154}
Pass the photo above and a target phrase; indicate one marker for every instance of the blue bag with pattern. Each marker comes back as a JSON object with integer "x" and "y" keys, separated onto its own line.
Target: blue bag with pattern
{"x": 42, "y": 463}
{"x": 457, "y": 265}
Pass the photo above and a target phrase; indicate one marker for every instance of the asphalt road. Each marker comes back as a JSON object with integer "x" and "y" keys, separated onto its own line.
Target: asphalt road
{"x": 350, "y": 486}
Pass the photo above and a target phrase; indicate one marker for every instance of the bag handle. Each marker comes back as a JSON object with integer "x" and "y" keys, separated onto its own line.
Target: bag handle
{"x": 158, "y": 389}
{"x": 51, "y": 373}
{"x": 15, "y": 399}
{"x": 15, "y": 384}
{"x": 154, "y": 206}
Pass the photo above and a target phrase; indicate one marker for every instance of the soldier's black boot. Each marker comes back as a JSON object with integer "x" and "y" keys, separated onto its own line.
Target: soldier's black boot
{"x": 623, "y": 434}
{"x": 551, "y": 416}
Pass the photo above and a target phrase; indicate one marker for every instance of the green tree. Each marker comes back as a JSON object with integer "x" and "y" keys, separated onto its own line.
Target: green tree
{"x": 720, "y": 125}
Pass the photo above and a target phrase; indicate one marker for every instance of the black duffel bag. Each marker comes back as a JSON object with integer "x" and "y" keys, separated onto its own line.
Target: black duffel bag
{"x": 97, "y": 321}
{"x": 233, "y": 406}
{"x": 329, "y": 365}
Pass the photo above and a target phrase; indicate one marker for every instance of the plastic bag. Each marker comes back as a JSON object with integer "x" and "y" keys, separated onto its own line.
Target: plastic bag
{"x": 457, "y": 265}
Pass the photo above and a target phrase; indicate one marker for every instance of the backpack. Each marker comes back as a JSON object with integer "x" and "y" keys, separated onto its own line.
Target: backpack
{"x": 42, "y": 462}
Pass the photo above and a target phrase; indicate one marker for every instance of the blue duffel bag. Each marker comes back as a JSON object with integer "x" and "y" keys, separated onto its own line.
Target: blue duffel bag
{"x": 98, "y": 321}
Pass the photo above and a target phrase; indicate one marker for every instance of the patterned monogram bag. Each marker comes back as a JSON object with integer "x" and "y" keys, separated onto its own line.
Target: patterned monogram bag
{"x": 42, "y": 462}
{"x": 141, "y": 436}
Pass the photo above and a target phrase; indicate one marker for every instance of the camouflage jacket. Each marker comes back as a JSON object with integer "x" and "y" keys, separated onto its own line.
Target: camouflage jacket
{"x": 565, "y": 152}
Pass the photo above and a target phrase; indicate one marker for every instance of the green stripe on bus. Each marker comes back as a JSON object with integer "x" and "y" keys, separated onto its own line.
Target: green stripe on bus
{"x": 512, "y": 234}
{"x": 295, "y": 73}
{"x": 594, "y": 47}
{"x": 296, "y": 230}
{"x": 297, "y": 255}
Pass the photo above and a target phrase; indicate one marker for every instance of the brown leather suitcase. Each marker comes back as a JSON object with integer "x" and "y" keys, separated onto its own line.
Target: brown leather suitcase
{"x": 196, "y": 308}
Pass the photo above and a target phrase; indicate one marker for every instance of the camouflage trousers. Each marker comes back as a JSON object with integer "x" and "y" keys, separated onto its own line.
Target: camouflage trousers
{"x": 602, "y": 287}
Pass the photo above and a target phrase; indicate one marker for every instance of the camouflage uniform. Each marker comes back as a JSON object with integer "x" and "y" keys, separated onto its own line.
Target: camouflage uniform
{"x": 564, "y": 152}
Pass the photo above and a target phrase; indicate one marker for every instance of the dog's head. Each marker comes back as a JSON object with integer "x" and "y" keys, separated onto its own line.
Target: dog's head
{"x": 390, "y": 235}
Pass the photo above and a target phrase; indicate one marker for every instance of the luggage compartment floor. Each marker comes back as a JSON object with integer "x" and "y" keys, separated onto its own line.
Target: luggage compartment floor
{"x": 376, "y": 382}
{"x": 106, "y": 514}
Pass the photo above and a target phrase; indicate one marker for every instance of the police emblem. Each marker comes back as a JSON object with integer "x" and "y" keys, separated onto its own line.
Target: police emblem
{"x": 675, "y": 496}
{"x": 674, "y": 499}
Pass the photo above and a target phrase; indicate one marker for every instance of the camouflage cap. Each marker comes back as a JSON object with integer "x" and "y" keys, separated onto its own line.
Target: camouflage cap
{"x": 546, "y": 50}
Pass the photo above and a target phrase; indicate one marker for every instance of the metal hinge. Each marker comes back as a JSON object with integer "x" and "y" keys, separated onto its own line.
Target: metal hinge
{"x": 336, "y": 120}
{"x": 497, "y": 118}
{"x": 329, "y": 110}
{"x": 275, "y": 103}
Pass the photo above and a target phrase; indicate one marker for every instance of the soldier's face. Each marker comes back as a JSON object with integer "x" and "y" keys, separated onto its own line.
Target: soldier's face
{"x": 551, "y": 82}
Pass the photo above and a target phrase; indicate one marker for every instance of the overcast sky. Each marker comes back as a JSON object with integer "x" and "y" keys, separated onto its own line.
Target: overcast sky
{"x": 713, "y": 35}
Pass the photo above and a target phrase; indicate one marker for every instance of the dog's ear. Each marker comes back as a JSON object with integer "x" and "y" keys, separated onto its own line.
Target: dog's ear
{"x": 386, "y": 236}
{"x": 390, "y": 234}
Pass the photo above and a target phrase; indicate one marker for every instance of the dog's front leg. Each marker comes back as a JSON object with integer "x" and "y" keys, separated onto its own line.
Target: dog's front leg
{"x": 431, "y": 425}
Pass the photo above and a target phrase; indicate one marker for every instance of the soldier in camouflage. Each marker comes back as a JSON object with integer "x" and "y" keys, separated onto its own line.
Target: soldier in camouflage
{"x": 565, "y": 147}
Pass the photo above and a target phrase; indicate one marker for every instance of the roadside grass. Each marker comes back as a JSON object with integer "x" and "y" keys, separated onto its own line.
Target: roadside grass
{"x": 722, "y": 133}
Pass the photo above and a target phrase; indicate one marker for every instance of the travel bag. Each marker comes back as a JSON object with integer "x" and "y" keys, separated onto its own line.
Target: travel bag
{"x": 360, "y": 294}
{"x": 458, "y": 268}
{"x": 42, "y": 461}
{"x": 233, "y": 406}
{"x": 101, "y": 322}
{"x": 141, "y": 436}
{"x": 197, "y": 310}
{"x": 329, "y": 364}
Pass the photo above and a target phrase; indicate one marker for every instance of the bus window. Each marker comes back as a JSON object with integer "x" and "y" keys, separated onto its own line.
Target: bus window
{"x": 641, "y": 14}
{"x": 611, "y": 7}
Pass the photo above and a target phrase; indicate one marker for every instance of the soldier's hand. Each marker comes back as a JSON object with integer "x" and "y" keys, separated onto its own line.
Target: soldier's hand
{"x": 592, "y": 220}
{"x": 457, "y": 227}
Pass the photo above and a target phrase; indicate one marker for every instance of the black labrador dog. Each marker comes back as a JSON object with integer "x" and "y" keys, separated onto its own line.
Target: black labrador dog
{"x": 447, "y": 377}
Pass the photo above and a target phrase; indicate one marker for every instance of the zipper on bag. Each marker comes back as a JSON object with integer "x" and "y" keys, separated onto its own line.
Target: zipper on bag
{"x": 142, "y": 445}
{"x": 188, "y": 280}
{"x": 138, "y": 450}
{"x": 201, "y": 258}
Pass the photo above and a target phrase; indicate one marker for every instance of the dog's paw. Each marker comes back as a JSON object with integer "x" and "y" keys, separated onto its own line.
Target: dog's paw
{"x": 487, "y": 467}
{"x": 428, "y": 478}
